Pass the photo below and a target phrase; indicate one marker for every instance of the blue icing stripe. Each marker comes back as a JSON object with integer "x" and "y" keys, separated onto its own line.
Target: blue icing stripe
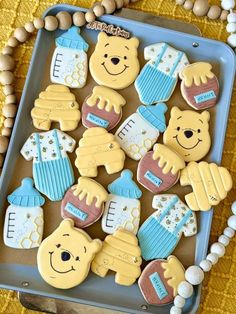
{"x": 70, "y": 208}
{"x": 205, "y": 97}
{"x": 97, "y": 120}
{"x": 152, "y": 178}
{"x": 158, "y": 286}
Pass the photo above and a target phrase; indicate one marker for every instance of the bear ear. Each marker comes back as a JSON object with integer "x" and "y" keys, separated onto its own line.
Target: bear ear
{"x": 134, "y": 42}
{"x": 175, "y": 111}
{"x": 95, "y": 246}
{"x": 102, "y": 37}
{"x": 67, "y": 224}
{"x": 206, "y": 115}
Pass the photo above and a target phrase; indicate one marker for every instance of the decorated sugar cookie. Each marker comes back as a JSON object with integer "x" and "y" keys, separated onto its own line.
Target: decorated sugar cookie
{"x": 159, "y": 169}
{"x": 188, "y": 133}
{"x": 52, "y": 170}
{"x": 210, "y": 184}
{"x": 160, "y": 279}
{"x": 161, "y": 232}
{"x": 98, "y": 148}
{"x": 69, "y": 64}
{"x": 64, "y": 257}
{"x": 114, "y": 62}
{"x": 84, "y": 202}
{"x": 139, "y": 132}
{"x": 122, "y": 209}
{"x": 103, "y": 108}
{"x": 121, "y": 254}
{"x": 57, "y": 104}
{"x": 158, "y": 78}
{"x": 23, "y": 227}
{"x": 199, "y": 86}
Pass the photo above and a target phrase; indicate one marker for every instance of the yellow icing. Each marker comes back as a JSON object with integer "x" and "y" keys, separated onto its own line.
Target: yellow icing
{"x": 197, "y": 73}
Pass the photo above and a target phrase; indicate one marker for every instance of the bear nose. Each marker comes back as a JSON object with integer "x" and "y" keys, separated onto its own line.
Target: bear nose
{"x": 115, "y": 61}
{"x": 65, "y": 256}
{"x": 188, "y": 134}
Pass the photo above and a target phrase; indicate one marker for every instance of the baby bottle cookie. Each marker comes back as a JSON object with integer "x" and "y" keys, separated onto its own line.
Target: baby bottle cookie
{"x": 103, "y": 108}
{"x": 161, "y": 232}
{"x": 64, "y": 257}
{"x": 122, "y": 209}
{"x": 121, "y": 254}
{"x": 114, "y": 62}
{"x": 159, "y": 169}
{"x": 158, "y": 78}
{"x": 84, "y": 202}
{"x": 69, "y": 64}
{"x": 199, "y": 86}
{"x": 159, "y": 280}
{"x": 98, "y": 148}
{"x": 57, "y": 104}
{"x": 210, "y": 184}
{"x": 138, "y": 133}
{"x": 23, "y": 227}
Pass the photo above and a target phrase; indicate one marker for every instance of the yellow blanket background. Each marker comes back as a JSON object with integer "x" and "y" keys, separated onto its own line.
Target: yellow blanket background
{"x": 220, "y": 284}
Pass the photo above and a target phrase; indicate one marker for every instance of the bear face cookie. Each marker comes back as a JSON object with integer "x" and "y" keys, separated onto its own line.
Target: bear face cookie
{"x": 103, "y": 108}
{"x": 65, "y": 256}
{"x": 188, "y": 133}
{"x": 114, "y": 62}
{"x": 84, "y": 202}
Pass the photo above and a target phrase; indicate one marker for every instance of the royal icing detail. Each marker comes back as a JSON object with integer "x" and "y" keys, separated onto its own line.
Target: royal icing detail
{"x": 108, "y": 28}
{"x": 204, "y": 97}
{"x": 71, "y": 209}
{"x": 153, "y": 179}
{"x": 97, "y": 120}
{"x": 158, "y": 286}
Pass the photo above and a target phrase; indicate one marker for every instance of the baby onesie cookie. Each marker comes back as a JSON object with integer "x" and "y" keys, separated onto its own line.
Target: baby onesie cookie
{"x": 98, "y": 148}
{"x": 188, "y": 133}
{"x": 158, "y": 78}
{"x": 159, "y": 280}
{"x": 160, "y": 233}
{"x": 210, "y": 184}
{"x": 114, "y": 62}
{"x": 52, "y": 170}
{"x": 121, "y": 254}
{"x": 122, "y": 209}
{"x": 69, "y": 65}
{"x": 23, "y": 227}
{"x": 159, "y": 169}
{"x": 84, "y": 202}
{"x": 199, "y": 86}
{"x": 56, "y": 104}
{"x": 64, "y": 257}
{"x": 103, "y": 108}
{"x": 139, "y": 132}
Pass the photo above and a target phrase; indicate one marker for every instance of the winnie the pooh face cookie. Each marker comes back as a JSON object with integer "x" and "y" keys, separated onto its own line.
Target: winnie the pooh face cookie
{"x": 64, "y": 257}
{"x": 114, "y": 63}
{"x": 188, "y": 133}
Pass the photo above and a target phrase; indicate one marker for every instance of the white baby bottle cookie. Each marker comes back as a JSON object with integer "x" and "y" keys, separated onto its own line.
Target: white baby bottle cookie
{"x": 122, "y": 209}
{"x": 23, "y": 227}
{"x": 139, "y": 132}
{"x": 69, "y": 64}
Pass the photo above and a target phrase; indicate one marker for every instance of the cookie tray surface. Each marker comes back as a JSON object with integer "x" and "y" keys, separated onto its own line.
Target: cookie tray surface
{"x": 18, "y": 270}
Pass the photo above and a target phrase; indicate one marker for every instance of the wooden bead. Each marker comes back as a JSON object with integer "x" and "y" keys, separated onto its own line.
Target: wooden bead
{"x": 119, "y": 4}
{"x": 10, "y": 99}
{"x": 126, "y": 2}
{"x": 232, "y": 219}
{"x": 90, "y": 16}
{"x": 133, "y": 1}
{"x": 214, "y": 12}
{"x": 180, "y": 2}
{"x": 218, "y": 249}
{"x": 213, "y": 258}
{"x": 1, "y": 160}
{"x": 109, "y": 5}
{"x": 98, "y": 10}
{"x": 231, "y": 18}
{"x": 21, "y": 34}
{"x": 228, "y": 4}
{"x": 7, "y": 50}
{"x": 231, "y": 27}
{"x": 179, "y": 301}
{"x": 8, "y": 123}
{"x": 6, "y": 132}
{"x": 233, "y": 208}
{"x": 223, "y": 239}
{"x": 185, "y": 289}
{"x": 188, "y": 5}
{"x": 194, "y": 275}
{"x": 51, "y": 23}
{"x": 64, "y": 20}
{"x": 224, "y": 15}
{"x": 7, "y": 90}
{"x": 9, "y": 110}
{"x": 38, "y": 23}
{"x": 205, "y": 265}
{"x": 229, "y": 232}
{"x": 201, "y": 7}
{"x": 7, "y": 63}
{"x": 175, "y": 310}
{"x": 4, "y": 141}
{"x": 6, "y": 77}
{"x": 12, "y": 42}
{"x": 79, "y": 19}
{"x": 29, "y": 27}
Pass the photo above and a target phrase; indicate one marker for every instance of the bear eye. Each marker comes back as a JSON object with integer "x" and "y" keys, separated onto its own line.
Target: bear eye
{"x": 77, "y": 258}
{"x": 125, "y": 57}
{"x": 178, "y": 128}
{"x": 106, "y": 55}
{"x": 58, "y": 245}
{"x": 198, "y": 131}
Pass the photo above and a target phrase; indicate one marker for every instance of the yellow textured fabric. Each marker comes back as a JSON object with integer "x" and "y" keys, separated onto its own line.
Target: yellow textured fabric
{"x": 220, "y": 284}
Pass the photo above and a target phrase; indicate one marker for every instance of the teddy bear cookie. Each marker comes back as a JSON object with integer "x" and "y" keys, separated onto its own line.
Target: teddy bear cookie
{"x": 159, "y": 169}
{"x": 56, "y": 104}
{"x": 122, "y": 208}
{"x": 160, "y": 233}
{"x": 69, "y": 65}
{"x": 139, "y": 132}
{"x": 199, "y": 86}
{"x": 23, "y": 227}
{"x": 84, "y": 202}
{"x": 98, "y": 148}
{"x": 210, "y": 184}
{"x": 114, "y": 62}
{"x": 188, "y": 133}
{"x": 158, "y": 78}
{"x": 64, "y": 257}
{"x": 159, "y": 280}
{"x": 103, "y": 108}
{"x": 121, "y": 254}
{"x": 49, "y": 153}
